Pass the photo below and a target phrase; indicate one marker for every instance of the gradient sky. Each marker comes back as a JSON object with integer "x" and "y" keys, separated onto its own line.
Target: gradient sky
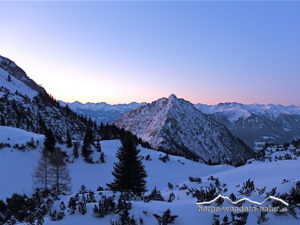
{"x": 120, "y": 52}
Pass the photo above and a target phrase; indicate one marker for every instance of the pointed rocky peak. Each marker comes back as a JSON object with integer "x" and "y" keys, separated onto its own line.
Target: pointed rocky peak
{"x": 172, "y": 97}
{"x": 175, "y": 125}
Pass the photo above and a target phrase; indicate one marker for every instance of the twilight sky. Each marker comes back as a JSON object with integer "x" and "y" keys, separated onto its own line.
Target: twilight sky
{"x": 121, "y": 52}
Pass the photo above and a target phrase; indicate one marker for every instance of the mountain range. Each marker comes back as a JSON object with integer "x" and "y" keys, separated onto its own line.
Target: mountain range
{"x": 102, "y": 112}
{"x": 255, "y": 124}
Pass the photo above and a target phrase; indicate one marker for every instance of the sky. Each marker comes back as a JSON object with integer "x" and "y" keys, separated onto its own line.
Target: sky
{"x": 119, "y": 52}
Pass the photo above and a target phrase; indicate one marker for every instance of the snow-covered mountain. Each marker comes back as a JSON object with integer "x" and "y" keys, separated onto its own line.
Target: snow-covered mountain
{"x": 102, "y": 112}
{"x": 257, "y": 123}
{"x": 176, "y": 126}
{"x": 24, "y": 104}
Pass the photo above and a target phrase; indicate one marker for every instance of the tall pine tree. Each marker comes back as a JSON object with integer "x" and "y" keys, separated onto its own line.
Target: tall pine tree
{"x": 129, "y": 173}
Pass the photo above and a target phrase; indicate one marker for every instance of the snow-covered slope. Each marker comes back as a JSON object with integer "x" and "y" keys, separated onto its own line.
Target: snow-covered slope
{"x": 22, "y": 163}
{"x": 257, "y": 123}
{"x": 177, "y": 126}
{"x": 17, "y": 167}
{"x": 14, "y": 84}
{"x": 26, "y": 105}
{"x": 19, "y": 79}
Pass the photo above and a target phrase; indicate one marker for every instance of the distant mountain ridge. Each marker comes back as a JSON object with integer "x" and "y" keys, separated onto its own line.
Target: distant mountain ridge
{"x": 102, "y": 112}
{"x": 256, "y": 124}
{"x": 175, "y": 125}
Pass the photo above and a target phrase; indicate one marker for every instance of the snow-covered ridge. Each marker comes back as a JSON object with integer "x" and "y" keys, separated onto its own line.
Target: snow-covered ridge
{"x": 176, "y": 125}
{"x": 103, "y": 106}
{"x": 235, "y": 110}
{"x": 15, "y": 85}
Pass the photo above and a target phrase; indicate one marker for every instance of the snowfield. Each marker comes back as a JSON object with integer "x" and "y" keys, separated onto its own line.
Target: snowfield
{"x": 17, "y": 166}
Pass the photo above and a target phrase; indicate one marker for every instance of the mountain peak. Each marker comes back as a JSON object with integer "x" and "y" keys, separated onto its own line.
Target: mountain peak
{"x": 176, "y": 126}
{"x": 172, "y": 97}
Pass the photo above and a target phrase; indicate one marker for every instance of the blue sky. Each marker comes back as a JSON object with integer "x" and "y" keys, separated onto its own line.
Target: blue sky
{"x": 120, "y": 52}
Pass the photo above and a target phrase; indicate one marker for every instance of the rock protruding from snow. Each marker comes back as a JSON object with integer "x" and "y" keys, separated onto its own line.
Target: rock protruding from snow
{"x": 175, "y": 125}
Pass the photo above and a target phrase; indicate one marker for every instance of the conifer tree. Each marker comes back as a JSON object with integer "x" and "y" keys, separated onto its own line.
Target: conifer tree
{"x": 50, "y": 141}
{"x": 129, "y": 173}
{"x": 88, "y": 140}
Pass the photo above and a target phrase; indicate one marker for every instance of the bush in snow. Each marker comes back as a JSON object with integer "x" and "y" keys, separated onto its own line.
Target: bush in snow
{"x": 216, "y": 220}
{"x": 247, "y": 188}
{"x": 100, "y": 188}
{"x": 102, "y": 160}
{"x": 204, "y": 194}
{"x": 262, "y": 218}
{"x": 148, "y": 158}
{"x": 123, "y": 204}
{"x": 225, "y": 220}
{"x": 154, "y": 195}
{"x": 82, "y": 207}
{"x": 271, "y": 193}
{"x": 293, "y": 199}
{"x": 170, "y": 186}
{"x": 166, "y": 218}
{"x": 62, "y": 206}
{"x": 124, "y": 219}
{"x": 183, "y": 187}
{"x": 239, "y": 218}
{"x": 164, "y": 158}
{"x": 195, "y": 179}
{"x": 261, "y": 190}
{"x": 31, "y": 144}
{"x": 171, "y": 197}
{"x": 72, "y": 205}
{"x": 4, "y": 145}
{"x": 105, "y": 206}
{"x": 287, "y": 156}
{"x": 90, "y": 197}
{"x": 54, "y": 215}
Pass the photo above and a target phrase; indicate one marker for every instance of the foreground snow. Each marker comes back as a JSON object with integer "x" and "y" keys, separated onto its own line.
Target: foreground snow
{"x": 17, "y": 166}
